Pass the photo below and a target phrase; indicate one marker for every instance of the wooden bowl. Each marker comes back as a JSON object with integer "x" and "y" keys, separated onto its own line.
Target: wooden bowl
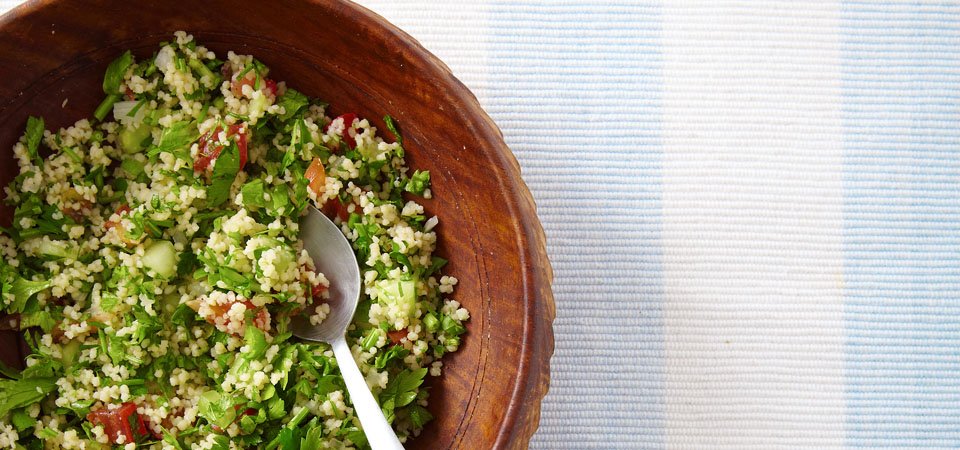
{"x": 52, "y": 58}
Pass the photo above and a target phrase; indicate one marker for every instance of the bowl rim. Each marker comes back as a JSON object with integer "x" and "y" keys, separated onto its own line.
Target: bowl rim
{"x": 533, "y": 376}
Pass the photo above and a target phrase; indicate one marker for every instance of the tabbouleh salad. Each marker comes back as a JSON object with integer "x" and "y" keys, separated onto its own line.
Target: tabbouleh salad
{"x": 153, "y": 265}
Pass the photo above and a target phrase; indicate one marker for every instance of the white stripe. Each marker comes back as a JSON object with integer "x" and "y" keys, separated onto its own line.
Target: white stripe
{"x": 752, "y": 224}
{"x": 454, "y": 31}
{"x": 6, "y": 5}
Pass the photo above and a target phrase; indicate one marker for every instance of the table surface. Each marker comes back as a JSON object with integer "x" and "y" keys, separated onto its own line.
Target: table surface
{"x": 752, "y": 211}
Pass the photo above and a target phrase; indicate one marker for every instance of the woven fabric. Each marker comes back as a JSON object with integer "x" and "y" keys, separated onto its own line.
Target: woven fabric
{"x": 752, "y": 210}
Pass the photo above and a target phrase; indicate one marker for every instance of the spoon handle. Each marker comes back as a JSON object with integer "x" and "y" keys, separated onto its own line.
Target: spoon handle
{"x": 379, "y": 433}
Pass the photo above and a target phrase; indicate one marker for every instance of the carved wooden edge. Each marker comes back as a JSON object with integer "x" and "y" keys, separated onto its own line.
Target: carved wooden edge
{"x": 533, "y": 378}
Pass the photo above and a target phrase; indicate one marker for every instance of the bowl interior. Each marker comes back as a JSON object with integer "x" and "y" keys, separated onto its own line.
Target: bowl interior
{"x": 53, "y": 56}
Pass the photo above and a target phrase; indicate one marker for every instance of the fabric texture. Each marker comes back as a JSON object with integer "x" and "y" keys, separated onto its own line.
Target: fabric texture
{"x": 752, "y": 211}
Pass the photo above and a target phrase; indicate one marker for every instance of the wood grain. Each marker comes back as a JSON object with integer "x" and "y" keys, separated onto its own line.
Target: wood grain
{"x": 490, "y": 394}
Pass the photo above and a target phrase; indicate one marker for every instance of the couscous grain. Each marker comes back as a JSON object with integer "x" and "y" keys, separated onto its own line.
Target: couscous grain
{"x": 153, "y": 264}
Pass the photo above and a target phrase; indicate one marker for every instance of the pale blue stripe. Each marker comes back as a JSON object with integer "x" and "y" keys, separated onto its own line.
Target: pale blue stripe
{"x": 576, "y": 89}
{"x": 901, "y": 79}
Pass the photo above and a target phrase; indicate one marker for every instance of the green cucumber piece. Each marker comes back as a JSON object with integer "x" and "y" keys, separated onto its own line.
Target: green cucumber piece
{"x": 161, "y": 258}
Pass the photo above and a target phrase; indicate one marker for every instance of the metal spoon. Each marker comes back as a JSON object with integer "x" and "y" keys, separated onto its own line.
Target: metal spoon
{"x": 333, "y": 257}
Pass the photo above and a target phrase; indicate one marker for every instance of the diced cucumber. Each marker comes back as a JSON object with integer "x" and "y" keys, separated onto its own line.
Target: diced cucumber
{"x": 263, "y": 242}
{"x": 108, "y": 301}
{"x": 55, "y": 250}
{"x": 167, "y": 304}
{"x": 431, "y": 323}
{"x": 69, "y": 353}
{"x": 285, "y": 255}
{"x": 402, "y": 293}
{"x": 161, "y": 258}
{"x": 132, "y": 167}
{"x": 257, "y": 106}
{"x": 134, "y": 138}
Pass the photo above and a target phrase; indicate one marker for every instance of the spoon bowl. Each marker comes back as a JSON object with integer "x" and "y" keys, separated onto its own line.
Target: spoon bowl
{"x": 333, "y": 256}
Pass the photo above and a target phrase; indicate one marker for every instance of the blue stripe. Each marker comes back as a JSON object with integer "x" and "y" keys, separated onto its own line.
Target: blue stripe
{"x": 901, "y": 95}
{"x": 576, "y": 87}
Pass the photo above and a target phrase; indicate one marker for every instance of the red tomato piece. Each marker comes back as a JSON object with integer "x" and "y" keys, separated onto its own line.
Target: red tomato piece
{"x": 236, "y": 86}
{"x": 267, "y": 85}
{"x": 76, "y": 213}
{"x": 210, "y": 146}
{"x": 209, "y": 150}
{"x": 335, "y": 208}
{"x": 270, "y": 86}
{"x": 261, "y": 320}
{"x": 121, "y": 210}
{"x": 397, "y": 335}
{"x": 349, "y": 134}
{"x": 240, "y": 131}
{"x": 123, "y": 421}
{"x": 317, "y": 176}
{"x": 225, "y": 71}
{"x": 317, "y": 291}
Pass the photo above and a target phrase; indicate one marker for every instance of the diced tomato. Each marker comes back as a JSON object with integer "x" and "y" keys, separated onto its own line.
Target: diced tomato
{"x": 335, "y": 208}
{"x": 167, "y": 421}
{"x": 236, "y": 86}
{"x": 240, "y": 131}
{"x": 123, "y": 421}
{"x": 208, "y": 150}
{"x": 317, "y": 291}
{"x": 75, "y": 213}
{"x": 149, "y": 429}
{"x": 128, "y": 93}
{"x": 397, "y": 335}
{"x": 261, "y": 320}
{"x": 210, "y": 146}
{"x": 121, "y": 210}
{"x": 349, "y": 134}
{"x": 317, "y": 176}
{"x": 270, "y": 86}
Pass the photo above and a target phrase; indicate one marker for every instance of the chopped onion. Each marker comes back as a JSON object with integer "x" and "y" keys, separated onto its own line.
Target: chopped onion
{"x": 164, "y": 58}
{"x": 431, "y": 222}
{"x": 121, "y": 112}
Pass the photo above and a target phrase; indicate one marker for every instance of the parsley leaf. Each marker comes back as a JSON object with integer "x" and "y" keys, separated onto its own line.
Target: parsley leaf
{"x": 292, "y": 102}
{"x": 418, "y": 182}
{"x": 256, "y": 344}
{"x": 115, "y": 72}
{"x": 24, "y": 392}
{"x": 401, "y": 390}
{"x": 419, "y": 415}
{"x": 23, "y": 290}
{"x": 34, "y": 134}
{"x": 178, "y": 136}
{"x": 392, "y": 126}
{"x": 384, "y": 358}
{"x": 253, "y": 195}
{"x": 224, "y": 172}
{"x": 41, "y": 318}
{"x": 313, "y": 440}
{"x": 217, "y": 408}
{"x": 21, "y": 421}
